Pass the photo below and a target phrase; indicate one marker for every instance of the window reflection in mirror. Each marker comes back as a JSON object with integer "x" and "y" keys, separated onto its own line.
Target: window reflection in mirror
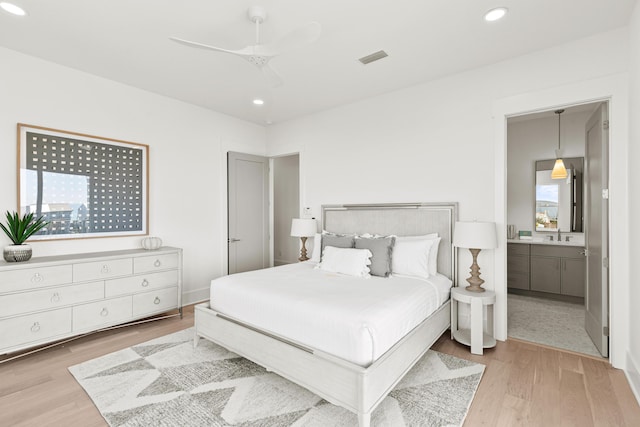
{"x": 63, "y": 201}
{"x": 558, "y": 204}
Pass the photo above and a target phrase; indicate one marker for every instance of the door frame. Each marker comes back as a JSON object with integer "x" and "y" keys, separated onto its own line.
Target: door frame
{"x": 594, "y": 326}
{"x": 224, "y": 232}
{"x": 613, "y": 89}
{"x": 272, "y": 204}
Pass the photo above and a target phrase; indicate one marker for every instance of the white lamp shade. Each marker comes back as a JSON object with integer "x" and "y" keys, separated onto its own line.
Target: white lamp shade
{"x": 475, "y": 235}
{"x": 303, "y": 227}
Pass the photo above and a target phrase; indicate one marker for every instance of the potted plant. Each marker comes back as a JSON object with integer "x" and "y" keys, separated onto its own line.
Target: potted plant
{"x": 19, "y": 229}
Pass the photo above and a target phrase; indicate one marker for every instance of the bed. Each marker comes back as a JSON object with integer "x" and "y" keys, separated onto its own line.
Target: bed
{"x": 356, "y": 361}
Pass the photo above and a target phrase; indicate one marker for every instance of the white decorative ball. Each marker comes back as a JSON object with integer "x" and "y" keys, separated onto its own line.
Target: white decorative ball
{"x": 151, "y": 243}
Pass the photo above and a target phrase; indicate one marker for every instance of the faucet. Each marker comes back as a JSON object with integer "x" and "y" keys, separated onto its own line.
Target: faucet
{"x": 559, "y": 237}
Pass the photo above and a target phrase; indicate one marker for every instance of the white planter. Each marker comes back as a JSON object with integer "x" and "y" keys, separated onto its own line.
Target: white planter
{"x": 17, "y": 253}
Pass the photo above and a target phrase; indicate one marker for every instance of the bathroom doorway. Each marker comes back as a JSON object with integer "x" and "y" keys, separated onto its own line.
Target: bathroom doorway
{"x": 558, "y": 229}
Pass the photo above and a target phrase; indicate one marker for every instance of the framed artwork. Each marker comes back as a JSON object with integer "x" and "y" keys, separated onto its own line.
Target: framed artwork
{"x": 83, "y": 185}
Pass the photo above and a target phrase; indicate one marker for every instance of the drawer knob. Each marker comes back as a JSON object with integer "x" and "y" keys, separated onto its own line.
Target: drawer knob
{"x": 157, "y": 263}
{"x": 156, "y": 301}
{"x": 37, "y": 278}
{"x": 35, "y": 327}
{"x": 145, "y": 283}
{"x": 105, "y": 269}
{"x": 104, "y": 312}
{"x": 55, "y": 297}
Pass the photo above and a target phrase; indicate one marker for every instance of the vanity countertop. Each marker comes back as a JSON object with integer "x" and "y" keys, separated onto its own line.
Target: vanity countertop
{"x": 540, "y": 241}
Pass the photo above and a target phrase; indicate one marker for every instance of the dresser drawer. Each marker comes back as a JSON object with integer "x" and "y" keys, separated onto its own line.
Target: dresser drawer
{"x": 158, "y": 262}
{"x": 34, "y": 277}
{"x": 151, "y": 302}
{"x": 101, "y": 313}
{"x": 141, "y": 283}
{"x": 50, "y": 298}
{"x": 88, "y": 271}
{"x": 21, "y": 330}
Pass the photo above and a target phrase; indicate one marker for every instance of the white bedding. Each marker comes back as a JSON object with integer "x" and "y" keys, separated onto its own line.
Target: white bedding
{"x": 356, "y": 319}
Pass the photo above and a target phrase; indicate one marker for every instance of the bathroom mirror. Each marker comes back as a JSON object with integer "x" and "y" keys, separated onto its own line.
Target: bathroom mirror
{"x": 558, "y": 202}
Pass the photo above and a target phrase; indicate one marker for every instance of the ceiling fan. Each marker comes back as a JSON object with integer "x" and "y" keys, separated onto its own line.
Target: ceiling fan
{"x": 260, "y": 54}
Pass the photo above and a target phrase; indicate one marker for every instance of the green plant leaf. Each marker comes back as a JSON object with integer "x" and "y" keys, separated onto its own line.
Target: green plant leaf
{"x": 19, "y": 229}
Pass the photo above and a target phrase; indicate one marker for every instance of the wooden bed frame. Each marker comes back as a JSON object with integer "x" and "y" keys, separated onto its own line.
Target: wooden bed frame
{"x": 356, "y": 388}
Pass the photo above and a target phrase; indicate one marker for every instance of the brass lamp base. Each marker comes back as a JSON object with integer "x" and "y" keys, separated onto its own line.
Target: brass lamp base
{"x": 303, "y": 251}
{"x": 475, "y": 282}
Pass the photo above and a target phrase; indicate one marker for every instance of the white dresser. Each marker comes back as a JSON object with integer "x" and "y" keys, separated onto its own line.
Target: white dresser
{"x": 51, "y": 298}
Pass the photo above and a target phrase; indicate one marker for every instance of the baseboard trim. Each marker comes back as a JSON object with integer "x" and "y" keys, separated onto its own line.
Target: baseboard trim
{"x": 195, "y": 296}
{"x": 632, "y": 372}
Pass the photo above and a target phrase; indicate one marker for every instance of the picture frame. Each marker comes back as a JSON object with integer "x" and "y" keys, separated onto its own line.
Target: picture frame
{"x": 84, "y": 186}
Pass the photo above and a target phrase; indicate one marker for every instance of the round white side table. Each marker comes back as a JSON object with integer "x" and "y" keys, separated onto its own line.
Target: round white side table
{"x": 475, "y": 336}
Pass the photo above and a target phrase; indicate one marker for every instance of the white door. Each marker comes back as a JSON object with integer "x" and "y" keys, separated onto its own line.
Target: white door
{"x": 248, "y": 216}
{"x": 597, "y": 217}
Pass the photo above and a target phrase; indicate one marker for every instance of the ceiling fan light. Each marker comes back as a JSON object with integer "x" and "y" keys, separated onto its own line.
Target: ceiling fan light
{"x": 495, "y": 14}
{"x": 559, "y": 171}
{"x": 12, "y": 9}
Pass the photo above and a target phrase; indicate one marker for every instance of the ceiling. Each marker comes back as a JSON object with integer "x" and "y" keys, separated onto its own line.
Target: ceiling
{"x": 127, "y": 41}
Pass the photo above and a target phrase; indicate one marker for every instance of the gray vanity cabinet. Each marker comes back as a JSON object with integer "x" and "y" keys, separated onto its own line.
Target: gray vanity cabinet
{"x": 558, "y": 269}
{"x": 518, "y": 266}
{"x": 545, "y": 274}
{"x": 573, "y": 276}
{"x": 546, "y": 268}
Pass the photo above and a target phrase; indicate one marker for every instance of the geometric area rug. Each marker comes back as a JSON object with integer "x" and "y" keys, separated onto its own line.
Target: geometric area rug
{"x": 166, "y": 382}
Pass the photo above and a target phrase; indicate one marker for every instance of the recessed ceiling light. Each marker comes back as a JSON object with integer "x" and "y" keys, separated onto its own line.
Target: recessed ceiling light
{"x": 12, "y": 9}
{"x": 258, "y": 102}
{"x": 495, "y": 14}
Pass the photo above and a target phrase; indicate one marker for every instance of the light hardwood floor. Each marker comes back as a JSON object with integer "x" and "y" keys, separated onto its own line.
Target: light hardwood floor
{"x": 523, "y": 384}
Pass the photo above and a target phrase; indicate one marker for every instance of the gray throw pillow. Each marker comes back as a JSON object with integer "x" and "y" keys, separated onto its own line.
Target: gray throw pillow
{"x": 382, "y": 249}
{"x": 337, "y": 240}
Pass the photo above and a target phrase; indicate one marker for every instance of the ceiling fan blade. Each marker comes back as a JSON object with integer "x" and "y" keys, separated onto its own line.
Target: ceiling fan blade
{"x": 298, "y": 37}
{"x": 246, "y": 51}
{"x": 273, "y": 78}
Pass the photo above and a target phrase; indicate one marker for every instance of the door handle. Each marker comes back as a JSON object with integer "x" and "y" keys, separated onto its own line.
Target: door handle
{"x": 232, "y": 240}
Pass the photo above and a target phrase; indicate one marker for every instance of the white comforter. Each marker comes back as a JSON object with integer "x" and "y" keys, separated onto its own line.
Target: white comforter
{"x": 356, "y": 319}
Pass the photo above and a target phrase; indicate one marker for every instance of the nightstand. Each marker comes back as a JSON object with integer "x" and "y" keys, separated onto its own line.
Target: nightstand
{"x": 474, "y": 337}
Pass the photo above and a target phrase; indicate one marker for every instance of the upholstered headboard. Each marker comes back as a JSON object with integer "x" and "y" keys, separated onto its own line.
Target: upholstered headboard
{"x": 401, "y": 219}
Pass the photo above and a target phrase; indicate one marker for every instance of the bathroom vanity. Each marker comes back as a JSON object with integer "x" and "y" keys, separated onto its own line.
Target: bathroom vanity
{"x": 553, "y": 268}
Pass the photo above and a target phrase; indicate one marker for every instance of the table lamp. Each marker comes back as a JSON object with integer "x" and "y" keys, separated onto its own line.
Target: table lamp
{"x": 475, "y": 236}
{"x": 303, "y": 228}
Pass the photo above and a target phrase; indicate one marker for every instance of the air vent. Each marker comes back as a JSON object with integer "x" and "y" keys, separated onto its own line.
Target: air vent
{"x": 373, "y": 57}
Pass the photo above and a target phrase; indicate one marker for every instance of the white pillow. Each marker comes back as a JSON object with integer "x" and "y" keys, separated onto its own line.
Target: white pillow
{"x": 433, "y": 253}
{"x": 411, "y": 258}
{"x": 433, "y": 256}
{"x": 317, "y": 248}
{"x": 353, "y": 262}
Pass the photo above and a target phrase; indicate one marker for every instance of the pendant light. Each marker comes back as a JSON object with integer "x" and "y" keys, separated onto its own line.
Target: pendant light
{"x": 559, "y": 171}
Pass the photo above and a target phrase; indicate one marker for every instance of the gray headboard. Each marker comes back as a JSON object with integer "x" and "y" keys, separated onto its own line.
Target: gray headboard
{"x": 401, "y": 219}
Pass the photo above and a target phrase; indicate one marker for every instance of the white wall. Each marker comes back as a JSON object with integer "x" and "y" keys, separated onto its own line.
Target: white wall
{"x": 531, "y": 140}
{"x": 187, "y": 156}
{"x": 436, "y": 141}
{"x": 633, "y": 355}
